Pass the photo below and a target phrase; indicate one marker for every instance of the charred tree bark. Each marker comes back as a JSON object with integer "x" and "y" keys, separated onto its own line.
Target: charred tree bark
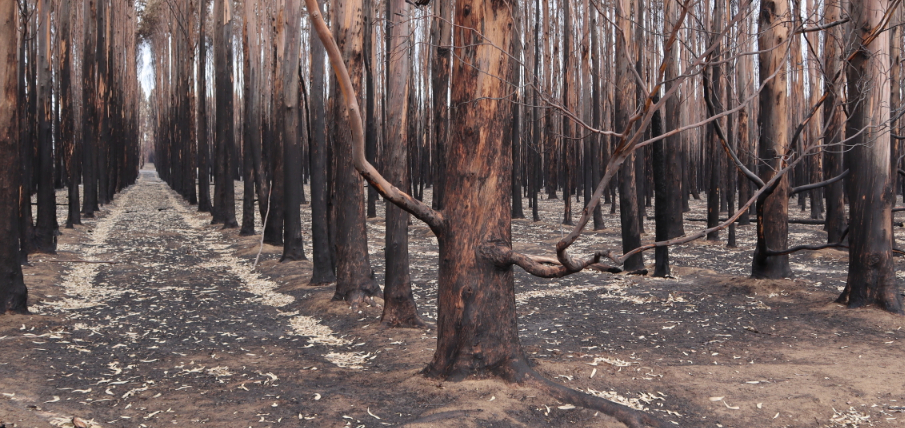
{"x": 668, "y": 165}
{"x": 625, "y": 105}
{"x": 832, "y": 116}
{"x": 871, "y": 273}
{"x": 45, "y": 233}
{"x": 13, "y": 293}
{"x": 370, "y": 103}
{"x": 477, "y": 332}
{"x": 440, "y": 84}
{"x": 204, "y": 180}
{"x": 399, "y": 308}
{"x": 477, "y": 329}
{"x": 289, "y": 36}
{"x": 515, "y": 70}
{"x": 772, "y": 210}
{"x": 224, "y": 135}
{"x": 250, "y": 131}
{"x": 355, "y": 280}
{"x": 566, "y": 142}
{"x": 535, "y": 153}
{"x": 715, "y": 190}
{"x": 322, "y": 257}
{"x": 67, "y": 122}
{"x": 89, "y": 112}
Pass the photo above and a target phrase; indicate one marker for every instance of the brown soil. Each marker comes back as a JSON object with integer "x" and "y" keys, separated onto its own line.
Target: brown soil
{"x": 180, "y": 332}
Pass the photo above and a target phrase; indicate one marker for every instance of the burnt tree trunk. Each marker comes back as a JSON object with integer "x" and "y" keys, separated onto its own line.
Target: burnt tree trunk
{"x": 322, "y": 257}
{"x": 224, "y": 135}
{"x": 440, "y": 85}
{"x": 715, "y": 192}
{"x": 370, "y": 103}
{"x": 625, "y": 105}
{"x": 399, "y": 308}
{"x": 832, "y": 116}
{"x": 354, "y": 281}
{"x": 204, "y": 180}
{"x": 515, "y": 74}
{"x": 773, "y": 120}
{"x": 67, "y": 122}
{"x": 871, "y": 272}
{"x": 477, "y": 330}
{"x": 89, "y": 111}
{"x": 45, "y": 229}
{"x": 13, "y": 293}
{"x": 668, "y": 164}
{"x": 250, "y": 131}
{"x": 289, "y": 39}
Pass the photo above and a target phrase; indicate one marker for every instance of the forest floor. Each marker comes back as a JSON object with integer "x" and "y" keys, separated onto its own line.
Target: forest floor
{"x": 180, "y": 331}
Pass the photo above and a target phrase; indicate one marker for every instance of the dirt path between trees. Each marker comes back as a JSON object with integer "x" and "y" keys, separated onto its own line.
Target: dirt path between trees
{"x": 179, "y": 331}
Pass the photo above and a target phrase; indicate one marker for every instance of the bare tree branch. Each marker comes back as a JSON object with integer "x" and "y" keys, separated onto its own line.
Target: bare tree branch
{"x": 423, "y": 212}
{"x": 818, "y": 185}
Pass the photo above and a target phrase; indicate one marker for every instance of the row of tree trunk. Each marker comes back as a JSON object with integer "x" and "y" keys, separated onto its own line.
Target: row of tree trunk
{"x": 71, "y": 119}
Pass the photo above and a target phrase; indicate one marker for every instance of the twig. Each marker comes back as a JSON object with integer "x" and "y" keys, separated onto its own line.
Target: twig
{"x": 77, "y": 261}
{"x": 266, "y": 215}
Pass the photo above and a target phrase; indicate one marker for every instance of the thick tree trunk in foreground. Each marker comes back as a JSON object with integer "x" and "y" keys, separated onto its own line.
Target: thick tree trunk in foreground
{"x": 871, "y": 272}
{"x": 13, "y": 293}
{"x": 89, "y": 112}
{"x": 321, "y": 255}
{"x": 476, "y": 328}
{"x": 773, "y": 120}
{"x": 399, "y": 308}
{"x": 354, "y": 280}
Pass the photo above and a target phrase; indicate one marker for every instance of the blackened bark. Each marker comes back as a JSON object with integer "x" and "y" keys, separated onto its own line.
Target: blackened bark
{"x": 89, "y": 112}
{"x": 204, "y": 180}
{"x": 515, "y": 73}
{"x": 440, "y": 85}
{"x": 321, "y": 254}
{"x": 13, "y": 293}
{"x": 67, "y": 123}
{"x": 399, "y": 308}
{"x": 292, "y": 145}
{"x": 355, "y": 280}
{"x": 370, "y": 102}
{"x": 832, "y": 116}
{"x": 477, "y": 325}
{"x": 871, "y": 272}
{"x": 535, "y": 177}
{"x": 224, "y": 198}
{"x": 772, "y": 210}
{"x": 45, "y": 233}
{"x": 596, "y": 122}
{"x": 273, "y": 227}
{"x": 625, "y": 105}
{"x": 250, "y": 130}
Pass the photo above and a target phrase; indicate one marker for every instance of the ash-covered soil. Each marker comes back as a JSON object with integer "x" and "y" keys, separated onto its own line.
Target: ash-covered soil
{"x": 178, "y": 330}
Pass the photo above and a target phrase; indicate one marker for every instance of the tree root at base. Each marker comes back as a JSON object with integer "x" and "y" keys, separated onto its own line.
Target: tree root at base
{"x": 628, "y": 416}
